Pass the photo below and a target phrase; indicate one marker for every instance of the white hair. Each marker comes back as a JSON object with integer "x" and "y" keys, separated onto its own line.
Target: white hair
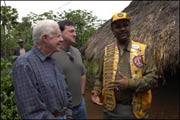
{"x": 43, "y": 27}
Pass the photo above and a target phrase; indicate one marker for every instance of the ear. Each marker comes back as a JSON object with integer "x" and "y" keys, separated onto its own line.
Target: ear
{"x": 113, "y": 32}
{"x": 44, "y": 38}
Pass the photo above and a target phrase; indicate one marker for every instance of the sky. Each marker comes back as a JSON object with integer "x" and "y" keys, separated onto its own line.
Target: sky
{"x": 102, "y": 9}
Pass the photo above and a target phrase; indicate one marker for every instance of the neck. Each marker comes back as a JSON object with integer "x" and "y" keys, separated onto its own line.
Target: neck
{"x": 65, "y": 45}
{"x": 44, "y": 50}
{"x": 21, "y": 46}
{"x": 123, "y": 44}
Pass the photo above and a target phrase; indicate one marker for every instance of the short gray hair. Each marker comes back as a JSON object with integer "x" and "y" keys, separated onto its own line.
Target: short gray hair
{"x": 43, "y": 27}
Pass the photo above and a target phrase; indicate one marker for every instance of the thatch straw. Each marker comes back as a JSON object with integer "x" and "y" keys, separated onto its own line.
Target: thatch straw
{"x": 155, "y": 23}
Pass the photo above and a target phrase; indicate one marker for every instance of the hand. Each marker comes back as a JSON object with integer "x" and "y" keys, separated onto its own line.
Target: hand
{"x": 123, "y": 83}
{"x": 69, "y": 117}
{"x": 95, "y": 98}
{"x": 117, "y": 84}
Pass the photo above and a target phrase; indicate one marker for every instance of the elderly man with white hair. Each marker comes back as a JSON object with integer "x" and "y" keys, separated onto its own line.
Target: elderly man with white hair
{"x": 40, "y": 88}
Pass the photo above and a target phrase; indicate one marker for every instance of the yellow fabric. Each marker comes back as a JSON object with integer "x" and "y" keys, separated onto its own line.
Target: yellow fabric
{"x": 119, "y": 16}
{"x": 141, "y": 102}
{"x": 111, "y": 59}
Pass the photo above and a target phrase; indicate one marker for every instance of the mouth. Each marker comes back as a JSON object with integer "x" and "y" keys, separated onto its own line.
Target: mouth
{"x": 123, "y": 35}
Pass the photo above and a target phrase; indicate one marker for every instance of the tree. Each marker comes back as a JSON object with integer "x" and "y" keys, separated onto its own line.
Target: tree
{"x": 9, "y": 17}
{"x": 86, "y": 23}
{"x": 11, "y": 31}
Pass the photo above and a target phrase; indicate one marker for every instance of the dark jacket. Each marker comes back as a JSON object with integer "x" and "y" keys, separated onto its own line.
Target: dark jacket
{"x": 17, "y": 53}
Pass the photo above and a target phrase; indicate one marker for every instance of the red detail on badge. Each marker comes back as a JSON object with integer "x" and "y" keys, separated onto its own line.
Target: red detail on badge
{"x": 138, "y": 61}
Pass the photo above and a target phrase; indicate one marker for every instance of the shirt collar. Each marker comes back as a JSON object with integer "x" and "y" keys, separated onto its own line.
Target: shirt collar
{"x": 39, "y": 54}
{"x": 129, "y": 46}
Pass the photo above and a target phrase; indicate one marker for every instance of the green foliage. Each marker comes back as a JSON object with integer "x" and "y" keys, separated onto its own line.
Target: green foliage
{"x": 46, "y": 15}
{"x": 91, "y": 68}
{"x": 8, "y": 105}
{"x": 8, "y": 22}
{"x": 9, "y": 16}
{"x": 24, "y": 31}
{"x": 11, "y": 31}
{"x": 86, "y": 24}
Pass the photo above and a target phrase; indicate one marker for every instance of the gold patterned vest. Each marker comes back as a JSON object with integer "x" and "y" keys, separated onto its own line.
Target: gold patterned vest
{"x": 141, "y": 101}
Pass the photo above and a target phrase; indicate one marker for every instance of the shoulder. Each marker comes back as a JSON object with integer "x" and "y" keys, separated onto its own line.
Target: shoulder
{"x": 21, "y": 64}
{"x": 27, "y": 49}
{"x": 111, "y": 44}
{"x": 59, "y": 55}
{"x": 23, "y": 58}
{"x": 138, "y": 45}
{"x": 17, "y": 49}
{"x": 75, "y": 50}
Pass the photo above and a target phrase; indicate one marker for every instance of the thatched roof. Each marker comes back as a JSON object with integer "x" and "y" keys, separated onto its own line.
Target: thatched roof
{"x": 155, "y": 23}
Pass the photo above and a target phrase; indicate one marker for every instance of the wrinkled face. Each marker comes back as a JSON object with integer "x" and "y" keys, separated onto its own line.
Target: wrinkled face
{"x": 121, "y": 30}
{"x": 69, "y": 35}
{"x": 54, "y": 41}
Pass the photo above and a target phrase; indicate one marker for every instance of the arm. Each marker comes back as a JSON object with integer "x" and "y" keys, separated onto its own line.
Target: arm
{"x": 69, "y": 101}
{"x": 28, "y": 99}
{"x": 83, "y": 84}
{"x": 16, "y": 52}
{"x": 146, "y": 82}
{"x": 83, "y": 74}
{"x": 96, "y": 92}
{"x": 149, "y": 77}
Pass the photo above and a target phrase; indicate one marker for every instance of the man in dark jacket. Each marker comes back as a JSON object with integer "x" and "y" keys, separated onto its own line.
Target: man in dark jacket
{"x": 21, "y": 49}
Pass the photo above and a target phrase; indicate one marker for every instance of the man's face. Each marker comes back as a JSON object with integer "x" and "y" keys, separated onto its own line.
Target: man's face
{"x": 53, "y": 42}
{"x": 21, "y": 44}
{"x": 69, "y": 35}
{"x": 121, "y": 30}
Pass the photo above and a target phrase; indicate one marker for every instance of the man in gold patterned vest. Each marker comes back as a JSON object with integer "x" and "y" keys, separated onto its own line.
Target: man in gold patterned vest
{"x": 126, "y": 75}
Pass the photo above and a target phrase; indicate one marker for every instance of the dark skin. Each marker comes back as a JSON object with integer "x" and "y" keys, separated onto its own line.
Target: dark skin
{"x": 121, "y": 30}
{"x": 21, "y": 44}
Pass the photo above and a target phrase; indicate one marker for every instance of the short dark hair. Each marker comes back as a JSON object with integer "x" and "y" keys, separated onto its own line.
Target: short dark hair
{"x": 64, "y": 23}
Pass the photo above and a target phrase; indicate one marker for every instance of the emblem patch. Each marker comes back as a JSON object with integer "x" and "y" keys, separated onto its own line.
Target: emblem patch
{"x": 120, "y": 15}
{"x": 134, "y": 46}
{"x": 138, "y": 61}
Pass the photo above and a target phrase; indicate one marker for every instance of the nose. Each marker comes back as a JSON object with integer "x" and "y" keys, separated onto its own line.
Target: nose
{"x": 122, "y": 28}
{"x": 75, "y": 34}
{"x": 61, "y": 38}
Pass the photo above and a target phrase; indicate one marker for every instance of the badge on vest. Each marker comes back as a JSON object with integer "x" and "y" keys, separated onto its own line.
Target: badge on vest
{"x": 138, "y": 61}
{"x": 135, "y": 47}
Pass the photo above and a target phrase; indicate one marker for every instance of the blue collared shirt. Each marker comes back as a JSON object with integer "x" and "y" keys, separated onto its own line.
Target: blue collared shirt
{"x": 40, "y": 88}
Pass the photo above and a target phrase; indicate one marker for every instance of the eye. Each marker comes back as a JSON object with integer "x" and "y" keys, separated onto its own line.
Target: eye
{"x": 125, "y": 24}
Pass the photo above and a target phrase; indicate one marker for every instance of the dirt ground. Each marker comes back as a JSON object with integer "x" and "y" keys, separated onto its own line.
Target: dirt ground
{"x": 165, "y": 104}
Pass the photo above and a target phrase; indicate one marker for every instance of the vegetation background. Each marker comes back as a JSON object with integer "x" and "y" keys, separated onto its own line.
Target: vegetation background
{"x": 11, "y": 31}
{"x": 155, "y": 23}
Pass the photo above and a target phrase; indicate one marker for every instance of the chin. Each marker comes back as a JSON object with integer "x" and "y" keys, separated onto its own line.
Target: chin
{"x": 74, "y": 42}
{"x": 57, "y": 50}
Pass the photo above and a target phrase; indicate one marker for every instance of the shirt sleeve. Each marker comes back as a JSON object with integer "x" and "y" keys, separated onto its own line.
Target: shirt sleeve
{"x": 27, "y": 95}
{"x": 149, "y": 77}
{"x": 99, "y": 76}
{"x": 83, "y": 69}
{"x": 69, "y": 103}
